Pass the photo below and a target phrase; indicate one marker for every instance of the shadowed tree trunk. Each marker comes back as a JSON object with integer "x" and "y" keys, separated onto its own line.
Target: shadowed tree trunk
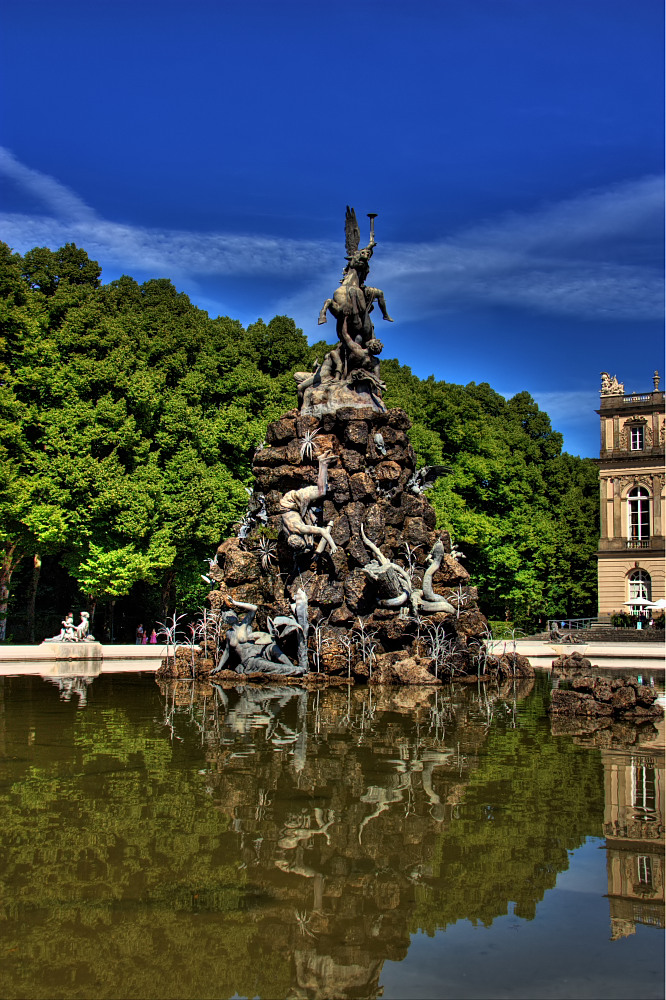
{"x": 167, "y": 593}
{"x": 32, "y": 597}
{"x": 9, "y": 560}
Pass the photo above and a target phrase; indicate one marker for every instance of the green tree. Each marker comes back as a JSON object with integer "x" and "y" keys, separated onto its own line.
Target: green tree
{"x": 278, "y": 347}
{"x": 129, "y": 421}
{"x": 524, "y": 514}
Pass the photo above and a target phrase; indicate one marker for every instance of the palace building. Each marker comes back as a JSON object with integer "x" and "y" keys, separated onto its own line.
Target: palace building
{"x": 631, "y": 471}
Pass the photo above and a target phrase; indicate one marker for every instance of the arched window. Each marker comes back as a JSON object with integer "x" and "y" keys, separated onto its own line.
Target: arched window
{"x": 640, "y": 585}
{"x": 638, "y": 518}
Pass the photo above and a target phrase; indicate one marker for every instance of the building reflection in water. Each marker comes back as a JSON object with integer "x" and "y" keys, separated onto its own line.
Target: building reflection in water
{"x": 634, "y": 830}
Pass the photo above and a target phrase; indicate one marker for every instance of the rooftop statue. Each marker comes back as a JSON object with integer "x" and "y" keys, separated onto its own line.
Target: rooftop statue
{"x": 610, "y": 385}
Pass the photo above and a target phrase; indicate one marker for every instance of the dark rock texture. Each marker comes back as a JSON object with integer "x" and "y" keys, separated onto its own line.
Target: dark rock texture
{"x": 570, "y": 664}
{"x": 351, "y": 634}
{"x": 623, "y": 698}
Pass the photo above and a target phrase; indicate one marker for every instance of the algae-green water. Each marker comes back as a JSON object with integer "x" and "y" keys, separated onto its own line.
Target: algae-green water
{"x": 193, "y": 841}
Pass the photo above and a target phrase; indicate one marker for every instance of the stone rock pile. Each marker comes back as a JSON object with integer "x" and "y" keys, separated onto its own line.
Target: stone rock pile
{"x": 371, "y": 488}
{"x": 580, "y": 693}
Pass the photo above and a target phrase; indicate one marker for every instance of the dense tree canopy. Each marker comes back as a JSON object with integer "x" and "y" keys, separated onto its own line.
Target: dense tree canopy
{"x": 128, "y": 423}
{"x": 524, "y": 514}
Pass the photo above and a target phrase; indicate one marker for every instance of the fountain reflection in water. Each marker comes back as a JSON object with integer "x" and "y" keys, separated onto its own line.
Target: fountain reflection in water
{"x": 207, "y": 841}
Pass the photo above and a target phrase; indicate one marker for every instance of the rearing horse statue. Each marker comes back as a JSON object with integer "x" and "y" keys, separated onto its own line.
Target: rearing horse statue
{"x": 353, "y": 300}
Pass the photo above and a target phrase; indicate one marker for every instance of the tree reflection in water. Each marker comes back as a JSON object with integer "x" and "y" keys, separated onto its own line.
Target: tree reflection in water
{"x": 206, "y": 841}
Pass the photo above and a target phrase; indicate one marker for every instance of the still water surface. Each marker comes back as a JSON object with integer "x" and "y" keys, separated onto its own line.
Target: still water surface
{"x": 160, "y": 842}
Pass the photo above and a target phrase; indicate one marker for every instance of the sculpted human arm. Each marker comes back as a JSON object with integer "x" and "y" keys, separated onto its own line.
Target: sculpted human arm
{"x": 250, "y": 608}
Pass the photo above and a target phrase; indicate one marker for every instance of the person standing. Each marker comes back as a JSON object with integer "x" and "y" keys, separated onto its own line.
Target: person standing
{"x": 153, "y": 637}
{"x": 139, "y": 635}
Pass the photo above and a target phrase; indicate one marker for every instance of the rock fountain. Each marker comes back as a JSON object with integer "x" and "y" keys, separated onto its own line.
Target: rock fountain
{"x": 338, "y": 569}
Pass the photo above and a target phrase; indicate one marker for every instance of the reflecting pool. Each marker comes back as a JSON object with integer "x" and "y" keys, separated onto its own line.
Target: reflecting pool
{"x": 166, "y": 841}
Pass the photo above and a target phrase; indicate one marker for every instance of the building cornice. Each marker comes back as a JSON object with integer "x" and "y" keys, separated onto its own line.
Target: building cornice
{"x": 631, "y": 403}
{"x": 625, "y": 463}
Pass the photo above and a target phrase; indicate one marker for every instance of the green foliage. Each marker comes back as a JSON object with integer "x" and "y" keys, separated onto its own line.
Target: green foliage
{"x": 619, "y": 620}
{"x": 269, "y": 533}
{"x": 113, "y": 573}
{"x": 503, "y": 630}
{"x": 47, "y": 271}
{"x": 128, "y": 421}
{"x": 279, "y": 346}
{"x": 623, "y": 619}
{"x": 524, "y": 514}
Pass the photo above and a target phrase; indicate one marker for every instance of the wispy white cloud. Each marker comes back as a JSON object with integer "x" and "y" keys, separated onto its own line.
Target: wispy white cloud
{"x": 589, "y": 256}
{"x": 54, "y": 195}
{"x": 596, "y": 255}
{"x": 172, "y": 252}
{"x": 622, "y": 211}
{"x": 165, "y": 251}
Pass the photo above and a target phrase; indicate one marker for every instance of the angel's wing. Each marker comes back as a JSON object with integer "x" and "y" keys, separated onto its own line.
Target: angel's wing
{"x": 352, "y": 232}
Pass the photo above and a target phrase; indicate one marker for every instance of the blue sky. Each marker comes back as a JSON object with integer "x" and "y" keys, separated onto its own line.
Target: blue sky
{"x": 513, "y": 150}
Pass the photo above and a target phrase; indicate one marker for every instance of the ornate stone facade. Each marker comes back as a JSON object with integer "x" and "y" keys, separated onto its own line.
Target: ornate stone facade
{"x": 631, "y": 471}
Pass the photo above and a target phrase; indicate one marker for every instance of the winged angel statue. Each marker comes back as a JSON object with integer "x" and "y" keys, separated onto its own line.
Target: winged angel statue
{"x": 353, "y": 361}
